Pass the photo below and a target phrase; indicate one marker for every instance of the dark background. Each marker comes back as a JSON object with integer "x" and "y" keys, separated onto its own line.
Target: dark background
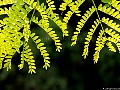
{"x": 68, "y": 71}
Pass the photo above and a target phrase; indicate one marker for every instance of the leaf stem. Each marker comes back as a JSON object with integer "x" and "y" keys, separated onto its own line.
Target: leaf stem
{"x": 98, "y": 16}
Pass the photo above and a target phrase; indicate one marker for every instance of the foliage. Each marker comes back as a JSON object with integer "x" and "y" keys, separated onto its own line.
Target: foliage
{"x": 15, "y": 28}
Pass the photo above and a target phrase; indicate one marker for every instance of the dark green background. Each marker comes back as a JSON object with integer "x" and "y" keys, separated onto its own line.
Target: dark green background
{"x": 68, "y": 71}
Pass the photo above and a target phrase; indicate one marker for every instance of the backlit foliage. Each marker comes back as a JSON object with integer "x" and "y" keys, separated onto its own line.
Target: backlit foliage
{"x": 112, "y": 10}
{"x": 15, "y": 31}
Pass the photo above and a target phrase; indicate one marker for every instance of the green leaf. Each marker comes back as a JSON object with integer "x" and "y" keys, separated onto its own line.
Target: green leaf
{"x": 106, "y": 1}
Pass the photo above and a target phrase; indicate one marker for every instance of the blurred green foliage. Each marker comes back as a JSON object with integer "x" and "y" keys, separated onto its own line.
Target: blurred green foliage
{"x": 68, "y": 71}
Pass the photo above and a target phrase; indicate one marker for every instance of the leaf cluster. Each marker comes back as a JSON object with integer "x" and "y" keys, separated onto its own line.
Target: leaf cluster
{"x": 11, "y": 37}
